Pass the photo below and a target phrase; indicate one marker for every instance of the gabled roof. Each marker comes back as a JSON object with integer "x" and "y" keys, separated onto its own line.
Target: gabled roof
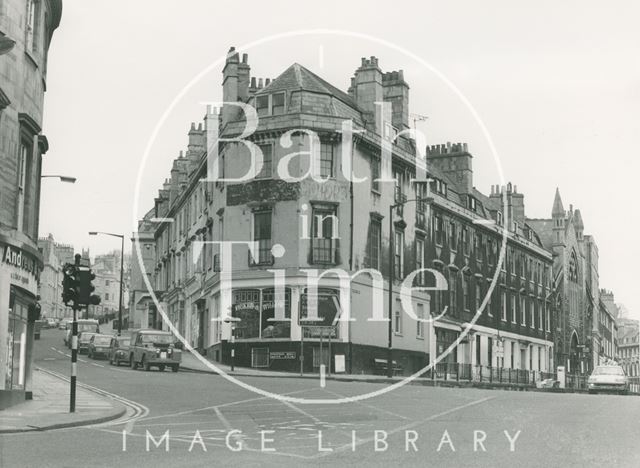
{"x": 297, "y": 77}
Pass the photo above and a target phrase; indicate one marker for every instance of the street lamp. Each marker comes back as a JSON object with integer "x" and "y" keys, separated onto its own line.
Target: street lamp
{"x": 392, "y": 272}
{"x": 69, "y": 180}
{"x": 233, "y": 321}
{"x": 121, "y": 236}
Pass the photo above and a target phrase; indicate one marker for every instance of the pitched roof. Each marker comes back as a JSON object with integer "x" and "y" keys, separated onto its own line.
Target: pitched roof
{"x": 544, "y": 229}
{"x": 299, "y": 77}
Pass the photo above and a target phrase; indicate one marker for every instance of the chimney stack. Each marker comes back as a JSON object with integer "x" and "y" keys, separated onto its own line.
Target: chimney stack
{"x": 230, "y": 86}
{"x": 368, "y": 90}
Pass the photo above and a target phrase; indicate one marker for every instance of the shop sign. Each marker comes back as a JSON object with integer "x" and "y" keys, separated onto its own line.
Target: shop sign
{"x": 282, "y": 355}
{"x": 21, "y": 262}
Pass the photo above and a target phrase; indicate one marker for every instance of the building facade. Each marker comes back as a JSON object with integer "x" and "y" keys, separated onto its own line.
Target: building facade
{"x": 332, "y": 226}
{"x": 26, "y": 28}
{"x": 50, "y": 285}
{"x": 575, "y": 287}
{"x": 143, "y": 313}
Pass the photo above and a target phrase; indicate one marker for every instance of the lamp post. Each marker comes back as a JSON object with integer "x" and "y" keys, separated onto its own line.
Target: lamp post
{"x": 67, "y": 179}
{"x": 392, "y": 274}
{"x": 233, "y": 321}
{"x": 121, "y": 236}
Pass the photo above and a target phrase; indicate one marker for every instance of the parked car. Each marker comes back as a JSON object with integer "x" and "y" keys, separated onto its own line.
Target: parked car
{"x": 607, "y": 379}
{"x": 52, "y": 323}
{"x": 84, "y": 325}
{"x": 154, "y": 348}
{"x": 99, "y": 346}
{"x": 83, "y": 341}
{"x": 63, "y": 324}
{"x": 119, "y": 350}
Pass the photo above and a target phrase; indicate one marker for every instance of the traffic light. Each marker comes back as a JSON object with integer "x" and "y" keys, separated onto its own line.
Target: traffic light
{"x": 86, "y": 297}
{"x": 70, "y": 285}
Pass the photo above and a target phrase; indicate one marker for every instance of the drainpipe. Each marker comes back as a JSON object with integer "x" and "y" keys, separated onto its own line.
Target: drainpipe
{"x": 349, "y": 346}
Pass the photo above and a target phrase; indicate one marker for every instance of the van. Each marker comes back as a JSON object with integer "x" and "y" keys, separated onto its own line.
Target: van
{"x": 84, "y": 325}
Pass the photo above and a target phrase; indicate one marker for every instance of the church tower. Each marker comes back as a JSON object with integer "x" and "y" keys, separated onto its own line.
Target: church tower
{"x": 558, "y": 219}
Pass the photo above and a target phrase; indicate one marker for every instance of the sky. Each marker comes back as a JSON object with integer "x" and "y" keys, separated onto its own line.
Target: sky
{"x": 556, "y": 84}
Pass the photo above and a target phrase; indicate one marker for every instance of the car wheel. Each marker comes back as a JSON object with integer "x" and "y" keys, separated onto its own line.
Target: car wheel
{"x": 133, "y": 363}
{"x": 161, "y": 367}
{"x": 175, "y": 368}
{"x": 145, "y": 364}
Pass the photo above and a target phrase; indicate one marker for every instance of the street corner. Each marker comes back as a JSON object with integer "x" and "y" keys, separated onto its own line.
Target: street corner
{"x": 49, "y": 408}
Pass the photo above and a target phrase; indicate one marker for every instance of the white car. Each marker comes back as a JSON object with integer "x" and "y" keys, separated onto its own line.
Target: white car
{"x": 608, "y": 379}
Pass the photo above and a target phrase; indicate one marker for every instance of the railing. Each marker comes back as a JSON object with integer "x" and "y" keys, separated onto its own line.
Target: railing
{"x": 634, "y": 384}
{"x": 452, "y": 371}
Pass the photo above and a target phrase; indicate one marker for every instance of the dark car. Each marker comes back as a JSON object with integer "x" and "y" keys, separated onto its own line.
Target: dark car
{"x": 119, "y": 350}
{"x": 99, "y": 346}
{"x": 154, "y": 348}
{"x": 83, "y": 341}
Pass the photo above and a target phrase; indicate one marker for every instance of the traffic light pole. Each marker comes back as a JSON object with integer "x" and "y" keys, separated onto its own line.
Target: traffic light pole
{"x": 74, "y": 360}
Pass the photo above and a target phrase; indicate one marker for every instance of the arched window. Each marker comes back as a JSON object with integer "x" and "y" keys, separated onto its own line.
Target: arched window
{"x": 573, "y": 267}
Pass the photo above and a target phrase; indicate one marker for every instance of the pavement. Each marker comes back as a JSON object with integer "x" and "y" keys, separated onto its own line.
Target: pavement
{"x": 49, "y": 408}
{"x": 192, "y": 363}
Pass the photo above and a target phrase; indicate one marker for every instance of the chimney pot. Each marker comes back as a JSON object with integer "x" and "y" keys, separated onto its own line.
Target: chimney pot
{"x": 245, "y": 58}
{"x": 267, "y": 81}
{"x": 260, "y": 83}
{"x": 253, "y": 81}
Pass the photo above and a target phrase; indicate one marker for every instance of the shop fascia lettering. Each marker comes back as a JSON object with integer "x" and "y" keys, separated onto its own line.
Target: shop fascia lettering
{"x": 19, "y": 259}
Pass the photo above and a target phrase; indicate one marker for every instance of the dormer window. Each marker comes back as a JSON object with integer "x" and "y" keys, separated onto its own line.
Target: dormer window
{"x": 270, "y": 104}
{"x": 390, "y": 132}
{"x": 439, "y": 187}
{"x": 471, "y": 203}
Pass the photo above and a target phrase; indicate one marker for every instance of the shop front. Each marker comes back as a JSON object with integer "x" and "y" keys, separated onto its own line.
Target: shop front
{"x": 19, "y": 271}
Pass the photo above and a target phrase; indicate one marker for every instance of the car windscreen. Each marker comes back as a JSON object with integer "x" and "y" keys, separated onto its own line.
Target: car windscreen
{"x": 608, "y": 371}
{"x": 102, "y": 340}
{"x": 124, "y": 341}
{"x": 86, "y": 327}
{"x": 157, "y": 338}
{"x": 86, "y": 336}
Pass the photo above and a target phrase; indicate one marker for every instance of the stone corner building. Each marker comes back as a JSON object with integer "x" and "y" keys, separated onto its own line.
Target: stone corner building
{"x": 26, "y": 28}
{"x": 338, "y": 224}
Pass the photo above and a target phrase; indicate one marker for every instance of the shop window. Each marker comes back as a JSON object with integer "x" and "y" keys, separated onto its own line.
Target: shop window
{"x": 271, "y": 300}
{"x": 246, "y": 307}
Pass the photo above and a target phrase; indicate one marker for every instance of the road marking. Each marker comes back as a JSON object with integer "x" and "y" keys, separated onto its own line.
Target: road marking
{"x": 97, "y": 365}
{"x": 231, "y": 403}
{"x": 350, "y": 445}
{"x": 391, "y": 413}
{"x": 81, "y": 360}
{"x": 223, "y": 420}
